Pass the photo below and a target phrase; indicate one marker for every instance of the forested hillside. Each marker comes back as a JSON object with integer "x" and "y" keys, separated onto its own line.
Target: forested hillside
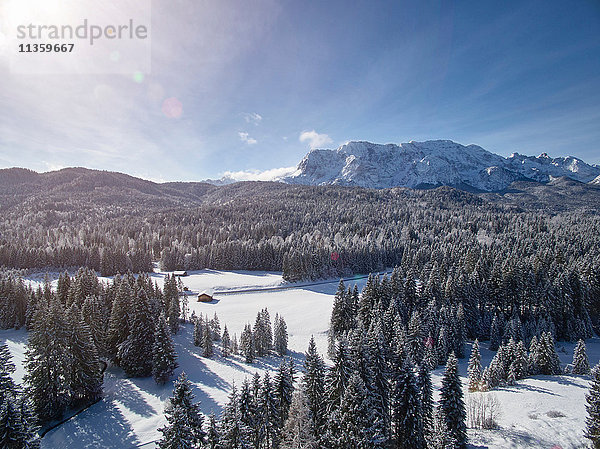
{"x": 524, "y": 257}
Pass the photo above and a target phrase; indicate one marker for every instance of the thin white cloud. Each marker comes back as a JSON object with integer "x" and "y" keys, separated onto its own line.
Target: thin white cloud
{"x": 273, "y": 174}
{"x": 252, "y": 117}
{"x": 314, "y": 139}
{"x": 244, "y": 137}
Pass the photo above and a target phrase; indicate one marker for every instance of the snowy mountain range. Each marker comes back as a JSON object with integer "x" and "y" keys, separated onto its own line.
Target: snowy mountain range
{"x": 432, "y": 163}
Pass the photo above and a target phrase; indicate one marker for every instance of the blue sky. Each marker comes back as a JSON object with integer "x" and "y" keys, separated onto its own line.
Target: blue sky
{"x": 262, "y": 82}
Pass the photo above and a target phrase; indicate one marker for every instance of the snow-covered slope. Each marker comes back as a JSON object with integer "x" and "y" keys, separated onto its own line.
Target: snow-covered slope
{"x": 434, "y": 162}
{"x": 596, "y": 181}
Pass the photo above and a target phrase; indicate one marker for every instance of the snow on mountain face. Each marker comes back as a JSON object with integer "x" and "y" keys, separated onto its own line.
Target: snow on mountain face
{"x": 436, "y": 162}
{"x": 596, "y": 181}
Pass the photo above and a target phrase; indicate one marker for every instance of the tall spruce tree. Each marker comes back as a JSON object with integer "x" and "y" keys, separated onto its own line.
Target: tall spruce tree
{"x": 184, "y": 427}
{"x": 247, "y": 344}
{"x": 474, "y": 368}
{"x": 313, "y": 386}
{"x": 284, "y": 389}
{"x": 280, "y": 336}
{"x": 7, "y": 386}
{"x": 207, "y": 341}
{"x": 581, "y": 364}
{"x": 407, "y": 416}
{"x": 84, "y": 376}
{"x": 233, "y": 433}
{"x": 118, "y": 325}
{"x": 164, "y": 357}
{"x": 426, "y": 395}
{"x": 452, "y": 405}
{"x": 135, "y": 353}
{"x": 225, "y": 343}
{"x": 46, "y": 363}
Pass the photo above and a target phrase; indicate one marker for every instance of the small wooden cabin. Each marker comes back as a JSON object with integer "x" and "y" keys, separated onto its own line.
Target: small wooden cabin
{"x": 180, "y": 273}
{"x": 204, "y": 297}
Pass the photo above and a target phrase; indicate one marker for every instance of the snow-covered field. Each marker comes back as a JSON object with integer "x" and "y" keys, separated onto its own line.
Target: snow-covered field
{"x": 132, "y": 409}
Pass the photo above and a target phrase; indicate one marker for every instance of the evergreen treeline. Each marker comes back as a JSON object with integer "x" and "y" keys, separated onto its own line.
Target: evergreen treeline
{"x": 82, "y": 324}
{"x": 336, "y": 408}
{"x": 313, "y": 232}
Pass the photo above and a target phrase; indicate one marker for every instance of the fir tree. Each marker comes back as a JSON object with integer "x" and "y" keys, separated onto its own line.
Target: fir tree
{"x": 135, "y": 353}
{"x": 184, "y": 420}
{"x": 426, "y": 395}
{"x": 163, "y": 353}
{"x": 207, "y": 341}
{"x": 284, "y": 389}
{"x": 337, "y": 377}
{"x": 118, "y": 325}
{"x": 313, "y": 385}
{"x": 215, "y": 328}
{"x": 198, "y": 334}
{"x": 232, "y": 429}
{"x": 580, "y": 359}
{"x": 354, "y": 416}
{"x": 171, "y": 296}
{"x": 247, "y": 344}
{"x": 45, "y": 362}
{"x": 7, "y": 386}
{"x": 280, "y": 337}
{"x": 270, "y": 416}
{"x": 84, "y": 377}
{"x": 474, "y": 368}
{"x": 452, "y": 405}
{"x": 407, "y": 422}
{"x": 249, "y": 415}
{"x": 225, "y": 343}
{"x": 495, "y": 333}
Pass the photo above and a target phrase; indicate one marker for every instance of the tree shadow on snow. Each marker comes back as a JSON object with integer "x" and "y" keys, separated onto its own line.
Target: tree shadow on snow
{"x": 132, "y": 399}
{"x": 100, "y": 426}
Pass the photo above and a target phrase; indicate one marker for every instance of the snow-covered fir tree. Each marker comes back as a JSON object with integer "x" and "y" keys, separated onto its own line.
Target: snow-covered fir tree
{"x": 7, "y": 386}
{"x": 284, "y": 388}
{"x": 171, "y": 297}
{"x": 425, "y": 389}
{"x": 225, "y": 343}
{"x": 164, "y": 357}
{"x": 215, "y": 328}
{"x": 84, "y": 376}
{"x": 280, "y": 336}
{"x": 474, "y": 368}
{"x": 313, "y": 386}
{"x": 452, "y": 406}
{"x": 45, "y": 361}
{"x": 207, "y": 341}
{"x": 247, "y": 344}
{"x": 581, "y": 365}
{"x": 269, "y": 413}
{"x": 118, "y": 325}
{"x": 198, "y": 333}
{"x": 233, "y": 433}
{"x": 184, "y": 428}
{"x": 407, "y": 414}
{"x": 135, "y": 353}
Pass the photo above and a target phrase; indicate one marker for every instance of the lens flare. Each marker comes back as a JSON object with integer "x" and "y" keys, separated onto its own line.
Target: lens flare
{"x": 172, "y": 107}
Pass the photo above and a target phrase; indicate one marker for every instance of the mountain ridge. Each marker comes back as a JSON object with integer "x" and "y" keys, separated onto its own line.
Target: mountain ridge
{"x": 432, "y": 163}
